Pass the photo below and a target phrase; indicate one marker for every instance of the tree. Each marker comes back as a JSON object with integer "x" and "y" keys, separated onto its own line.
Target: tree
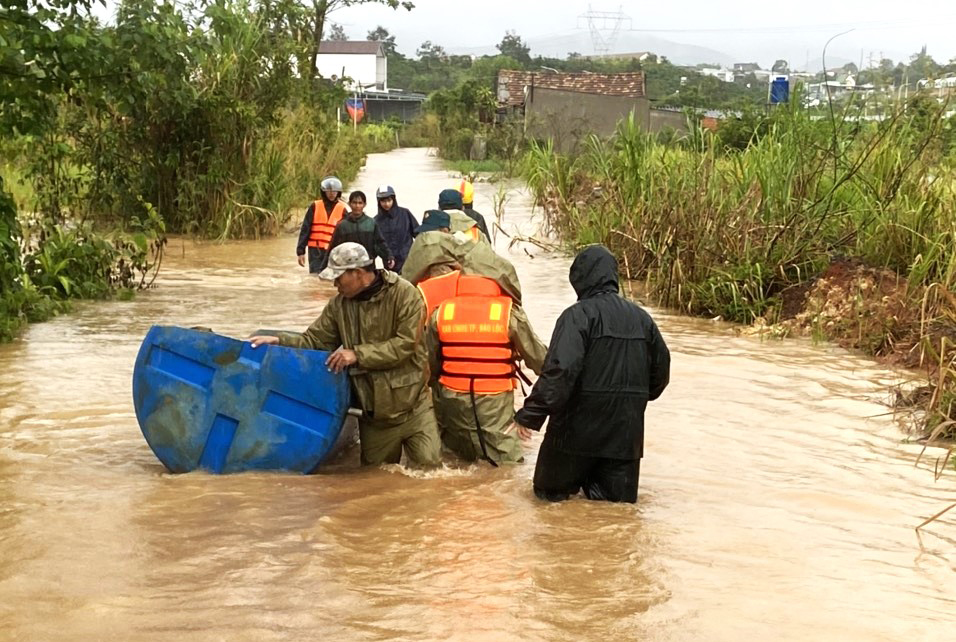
{"x": 512, "y": 45}
{"x": 337, "y": 33}
{"x": 922, "y": 65}
{"x": 322, "y": 8}
{"x": 485, "y": 69}
{"x": 381, "y": 34}
{"x": 46, "y": 47}
{"x": 430, "y": 52}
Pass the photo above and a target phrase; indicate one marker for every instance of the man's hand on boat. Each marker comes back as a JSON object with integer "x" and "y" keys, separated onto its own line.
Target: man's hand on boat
{"x": 341, "y": 359}
{"x": 263, "y": 340}
{"x": 338, "y": 361}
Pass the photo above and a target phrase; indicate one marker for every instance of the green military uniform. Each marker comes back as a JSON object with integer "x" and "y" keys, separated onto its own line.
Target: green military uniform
{"x": 389, "y": 381}
{"x": 438, "y": 248}
{"x": 461, "y": 222}
{"x": 456, "y": 415}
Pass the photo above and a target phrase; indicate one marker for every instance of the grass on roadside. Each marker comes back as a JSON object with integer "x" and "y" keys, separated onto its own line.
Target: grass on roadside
{"x": 470, "y": 167}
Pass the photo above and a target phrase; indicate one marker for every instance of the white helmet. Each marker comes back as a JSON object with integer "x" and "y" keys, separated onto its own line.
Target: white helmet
{"x": 331, "y": 184}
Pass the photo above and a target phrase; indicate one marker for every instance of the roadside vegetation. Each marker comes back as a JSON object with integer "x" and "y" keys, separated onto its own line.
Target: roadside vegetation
{"x": 188, "y": 118}
{"x": 820, "y": 223}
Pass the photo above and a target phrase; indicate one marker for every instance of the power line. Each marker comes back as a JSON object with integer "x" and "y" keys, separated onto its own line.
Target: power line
{"x": 604, "y": 27}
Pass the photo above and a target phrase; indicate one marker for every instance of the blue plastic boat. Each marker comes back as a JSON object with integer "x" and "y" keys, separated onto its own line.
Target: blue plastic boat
{"x": 205, "y": 401}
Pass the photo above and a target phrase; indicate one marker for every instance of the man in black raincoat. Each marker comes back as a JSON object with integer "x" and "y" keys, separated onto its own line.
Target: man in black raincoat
{"x": 606, "y": 360}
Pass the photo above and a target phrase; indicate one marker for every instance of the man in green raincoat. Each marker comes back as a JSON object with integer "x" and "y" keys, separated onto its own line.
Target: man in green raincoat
{"x": 472, "y": 377}
{"x": 449, "y": 200}
{"x": 435, "y": 252}
{"x": 456, "y": 259}
{"x": 374, "y": 326}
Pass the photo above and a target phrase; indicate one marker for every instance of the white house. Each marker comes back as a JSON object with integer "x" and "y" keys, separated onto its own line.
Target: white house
{"x": 725, "y": 75}
{"x": 361, "y": 60}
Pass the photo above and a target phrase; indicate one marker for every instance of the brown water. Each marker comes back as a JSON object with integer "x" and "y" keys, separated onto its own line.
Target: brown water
{"x": 777, "y": 500}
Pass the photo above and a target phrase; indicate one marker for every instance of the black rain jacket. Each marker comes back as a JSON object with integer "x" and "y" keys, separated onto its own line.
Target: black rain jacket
{"x": 479, "y": 219}
{"x": 606, "y": 360}
{"x": 398, "y": 226}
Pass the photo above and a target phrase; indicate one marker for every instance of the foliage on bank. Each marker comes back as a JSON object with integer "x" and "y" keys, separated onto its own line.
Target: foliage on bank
{"x": 177, "y": 118}
{"x": 719, "y": 231}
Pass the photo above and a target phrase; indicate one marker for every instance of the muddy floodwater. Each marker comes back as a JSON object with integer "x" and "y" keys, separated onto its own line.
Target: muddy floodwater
{"x": 778, "y": 499}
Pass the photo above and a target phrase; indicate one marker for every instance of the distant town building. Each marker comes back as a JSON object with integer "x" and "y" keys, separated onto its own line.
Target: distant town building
{"x": 942, "y": 86}
{"x": 565, "y": 107}
{"x": 836, "y": 89}
{"x": 723, "y": 74}
{"x": 365, "y": 67}
{"x": 363, "y": 61}
{"x": 746, "y": 67}
{"x": 640, "y": 56}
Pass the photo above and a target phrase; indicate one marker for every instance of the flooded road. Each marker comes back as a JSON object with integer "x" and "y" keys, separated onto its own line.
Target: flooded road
{"x": 777, "y": 499}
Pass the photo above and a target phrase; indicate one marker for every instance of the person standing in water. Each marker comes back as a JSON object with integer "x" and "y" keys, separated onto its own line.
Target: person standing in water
{"x": 606, "y": 360}
{"x": 373, "y": 327}
{"x": 397, "y": 224}
{"x": 319, "y": 224}
{"x": 359, "y": 227}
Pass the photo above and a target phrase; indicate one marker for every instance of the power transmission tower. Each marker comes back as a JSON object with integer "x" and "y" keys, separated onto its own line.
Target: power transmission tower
{"x": 604, "y": 27}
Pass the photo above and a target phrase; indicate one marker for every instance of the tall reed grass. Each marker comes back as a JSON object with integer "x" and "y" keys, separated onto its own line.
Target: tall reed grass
{"x": 287, "y": 167}
{"x": 721, "y": 232}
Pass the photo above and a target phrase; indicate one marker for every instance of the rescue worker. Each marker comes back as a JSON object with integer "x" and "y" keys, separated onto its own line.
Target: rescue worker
{"x": 436, "y": 251}
{"x": 374, "y": 325}
{"x": 398, "y": 225}
{"x": 606, "y": 360}
{"x": 449, "y": 200}
{"x": 474, "y": 338}
{"x": 359, "y": 227}
{"x": 319, "y": 223}
{"x": 467, "y": 191}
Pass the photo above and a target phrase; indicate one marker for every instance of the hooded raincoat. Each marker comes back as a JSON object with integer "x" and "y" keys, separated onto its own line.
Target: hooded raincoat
{"x": 606, "y": 360}
{"x": 432, "y": 249}
{"x": 461, "y": 222}
{"x": 398, "y": 226}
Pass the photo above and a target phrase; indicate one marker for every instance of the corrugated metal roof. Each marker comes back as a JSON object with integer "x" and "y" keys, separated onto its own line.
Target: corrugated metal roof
{"x": 623, "y": 84}
{"x": 350, "y": 47}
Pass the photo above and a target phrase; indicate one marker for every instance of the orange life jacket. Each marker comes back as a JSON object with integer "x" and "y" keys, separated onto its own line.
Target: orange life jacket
{"x": 323, "y": 224}
{"x": 439, "y": 289}
{"x": 474, "y": 232}
{"x": 476, "y": 352}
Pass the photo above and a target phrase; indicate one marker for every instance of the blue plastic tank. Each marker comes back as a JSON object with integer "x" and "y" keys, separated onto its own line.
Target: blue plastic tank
{"x": 206, "y": 401}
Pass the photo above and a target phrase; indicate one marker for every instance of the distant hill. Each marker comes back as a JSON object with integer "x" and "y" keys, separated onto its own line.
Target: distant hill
{"x": 580, "y": 42}
{"x": 833, "y": 62}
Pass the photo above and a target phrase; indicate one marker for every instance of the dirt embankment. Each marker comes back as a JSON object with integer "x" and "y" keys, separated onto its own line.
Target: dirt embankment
{"x": 878, "y": 312}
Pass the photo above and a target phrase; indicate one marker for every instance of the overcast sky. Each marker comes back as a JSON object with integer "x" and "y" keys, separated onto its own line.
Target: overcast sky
{"x": 743, "y": 29}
